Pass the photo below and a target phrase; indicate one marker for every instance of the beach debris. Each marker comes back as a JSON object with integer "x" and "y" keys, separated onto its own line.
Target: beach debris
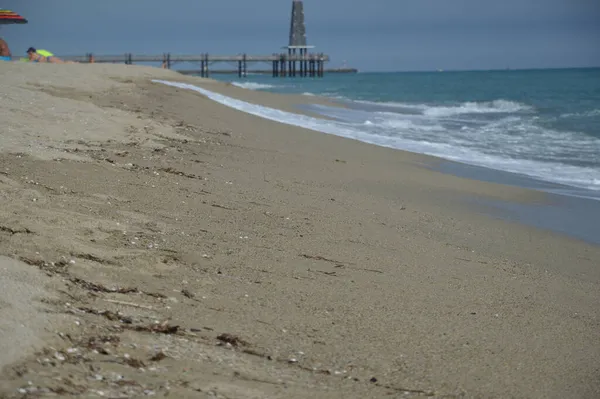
{"x": 222, "y": 207}
{"x": 133, "y": 362}
{"x": 200, "y": 329}
{"x": 333, "y": 274}
{"x": 231, "y": 339}
{"x": 160, "y": 328}
{"x": 373, "y": 379}
{"x": 31, "y": 389}
{"x": 158, "y": 356}
{"x": 319, "y": 257}
{"x": 154, "y": 294}
{"x": 179, "y": 173}
{"x": 101, "y": 288}
{"x": 128, "y": 304}
{"x": 99, "y": 343}
{"x": 96, "y": 377}
{"x": 189, "y": 294}
{"x": 12, "y": 231}
{"x": 96, "y": 287}
{"x": 112, "y": 316}
{"x": 53, "y": 267}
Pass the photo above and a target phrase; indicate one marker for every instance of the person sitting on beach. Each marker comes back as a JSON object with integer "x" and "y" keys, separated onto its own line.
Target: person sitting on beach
{"x": 44, "y": 56}
{"x": 5, "y": 54}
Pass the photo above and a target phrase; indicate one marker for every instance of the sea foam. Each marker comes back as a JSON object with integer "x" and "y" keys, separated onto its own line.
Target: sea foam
{"x": 499, "y": 106}
{"x": 253, "y": 85}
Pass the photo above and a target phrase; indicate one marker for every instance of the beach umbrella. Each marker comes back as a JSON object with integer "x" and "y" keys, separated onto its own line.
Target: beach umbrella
{"x": 11, "y": 17}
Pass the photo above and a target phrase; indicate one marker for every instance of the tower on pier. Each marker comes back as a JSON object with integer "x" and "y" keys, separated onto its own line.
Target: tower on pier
{"x": 297, "y": 47}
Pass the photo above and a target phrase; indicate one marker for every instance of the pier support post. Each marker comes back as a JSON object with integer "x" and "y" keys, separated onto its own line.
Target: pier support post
{"x": 305, "y": 62}
{"x": 294, "y": 62}
{"x": 245, "y": 65}
{"x": 206, "y": 69}
{"x": 282, "y": 62}
{"x": 169, "y": 61}
{"x": 275, "y": 66}
{"x": 239, "y": 68}
{"x": 320, "y": 66}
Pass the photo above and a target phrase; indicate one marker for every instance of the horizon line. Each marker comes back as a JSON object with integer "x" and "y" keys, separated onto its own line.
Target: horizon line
{"x": 479, "y": 70}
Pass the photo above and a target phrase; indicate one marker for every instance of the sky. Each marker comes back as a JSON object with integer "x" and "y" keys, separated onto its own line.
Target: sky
{"x": 373, "y": 35}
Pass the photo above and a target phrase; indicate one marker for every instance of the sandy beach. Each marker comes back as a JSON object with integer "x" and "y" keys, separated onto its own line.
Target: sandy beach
{"x": 156, "y": 243}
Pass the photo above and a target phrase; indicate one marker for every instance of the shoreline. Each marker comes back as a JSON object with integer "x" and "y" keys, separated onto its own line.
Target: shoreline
{"x": 463, "y": 168}
{"x": 578, "y": 224}
{"x": 205, "y": 251}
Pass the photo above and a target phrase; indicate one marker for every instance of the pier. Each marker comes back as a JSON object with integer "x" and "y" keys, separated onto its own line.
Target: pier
{"x": 294, "y": 61}
{"x": 223, "y": 71}
{"x": 282, "y": 65}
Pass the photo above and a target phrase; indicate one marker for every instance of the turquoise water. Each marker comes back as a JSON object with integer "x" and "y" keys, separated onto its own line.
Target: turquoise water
{"x": 544, "y": 124}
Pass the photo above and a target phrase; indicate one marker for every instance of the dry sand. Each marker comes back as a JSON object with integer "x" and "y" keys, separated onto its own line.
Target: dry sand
{"x": 178, "y": 247}
{"x": 23, "y": 314}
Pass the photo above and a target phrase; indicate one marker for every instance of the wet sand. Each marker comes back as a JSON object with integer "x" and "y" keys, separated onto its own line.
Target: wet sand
{"x": 183, "y": 248}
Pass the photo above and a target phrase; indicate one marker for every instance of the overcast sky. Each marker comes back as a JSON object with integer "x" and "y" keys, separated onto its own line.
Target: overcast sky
{"x": 370, "y": 35}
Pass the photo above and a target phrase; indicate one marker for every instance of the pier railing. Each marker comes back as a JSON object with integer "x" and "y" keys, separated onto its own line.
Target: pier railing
{"x": 309, "y": 65}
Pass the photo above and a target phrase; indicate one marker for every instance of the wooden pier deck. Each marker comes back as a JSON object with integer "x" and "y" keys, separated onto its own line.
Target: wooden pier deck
{"x": 282, "y": 65}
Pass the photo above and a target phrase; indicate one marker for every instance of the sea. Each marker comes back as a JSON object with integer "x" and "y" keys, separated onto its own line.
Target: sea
{"x": 537, "y": 129}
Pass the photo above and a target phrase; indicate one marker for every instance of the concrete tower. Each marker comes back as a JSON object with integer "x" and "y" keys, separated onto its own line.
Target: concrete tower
{"x": 297, "y": 41}
{"x": 297, "y": 27}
